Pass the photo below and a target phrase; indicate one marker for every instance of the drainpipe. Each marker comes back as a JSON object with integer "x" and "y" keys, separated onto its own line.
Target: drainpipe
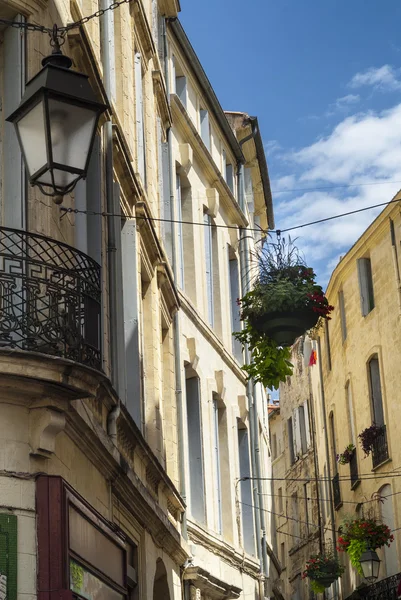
{"x": 326, "y": 444}
{"x": 245, "y": 287}
{"x": 176, "y": 320}
{"x": 315, "y": 460}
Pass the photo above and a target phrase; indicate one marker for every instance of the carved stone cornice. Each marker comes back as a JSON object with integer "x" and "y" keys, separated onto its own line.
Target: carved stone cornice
{"x": 159, "y": 87}
{"x": 231, "y": 555}
{"x": 211, "y": 586}
{"x": 145, "y": 37}
{"x": 169, "y": 8}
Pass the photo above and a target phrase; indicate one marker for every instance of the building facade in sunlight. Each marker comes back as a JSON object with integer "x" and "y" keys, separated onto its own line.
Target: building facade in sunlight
{"x": 352, "y": 386}
{"x": 128, "y": 432}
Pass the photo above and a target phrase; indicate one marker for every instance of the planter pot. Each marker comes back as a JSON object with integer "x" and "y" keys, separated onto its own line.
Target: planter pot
{"x": 284, "y": 327}
{"x": 325, "y": 581}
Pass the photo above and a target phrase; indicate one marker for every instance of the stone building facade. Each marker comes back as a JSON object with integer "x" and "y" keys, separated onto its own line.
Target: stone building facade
{"x": 125, "y": 420}
{"x": 297, "y": 526}
{"x": 360, "y": 374}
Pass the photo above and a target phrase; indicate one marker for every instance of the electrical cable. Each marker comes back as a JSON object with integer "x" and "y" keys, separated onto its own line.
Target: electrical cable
{"x": 202, "y": 224}
{"x": 362, "y": 477}
{"x": 334, "y": 187}
{"x": 311, "y": 499}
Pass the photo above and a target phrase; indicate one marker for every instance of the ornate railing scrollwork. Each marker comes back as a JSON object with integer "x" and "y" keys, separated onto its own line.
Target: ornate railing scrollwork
{"x": 50, "y": 298}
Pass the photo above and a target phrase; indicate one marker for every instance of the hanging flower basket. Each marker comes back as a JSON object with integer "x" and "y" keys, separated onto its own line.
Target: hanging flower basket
{"x": 322, "y": 570}
{"x": 368, "y": 437}
{"x": 284, "y": 303}
{"x": 345, "y": 457}
{"x": 359, "y": 535}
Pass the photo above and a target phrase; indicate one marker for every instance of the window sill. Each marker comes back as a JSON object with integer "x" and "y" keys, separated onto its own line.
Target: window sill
{"x": 355, "y": 485}
{"x": 384, "y": 462}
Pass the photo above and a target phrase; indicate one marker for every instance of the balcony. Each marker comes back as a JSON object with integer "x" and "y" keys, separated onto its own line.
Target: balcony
{"x": 353, "y": 467}
{"x": 380, "y": 448}
{"x": 336, "y": 491}
{"x": 50, "y": 298}
{"x": 386, "y": 589}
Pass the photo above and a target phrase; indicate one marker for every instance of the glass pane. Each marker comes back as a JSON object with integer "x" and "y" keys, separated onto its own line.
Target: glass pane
{"x": 61, "y": 178}
{"x": 31, "y": 129}
{"x": 71, "y": 133}
{"x": 89, "y": 586}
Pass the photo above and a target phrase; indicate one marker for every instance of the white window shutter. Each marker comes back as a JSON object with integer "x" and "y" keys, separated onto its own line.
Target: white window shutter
{"x": 179, "y": 233}
{"x": 297, "y": 433}
{"x": 140, "y": 130}
{"x": 209, "y": 268}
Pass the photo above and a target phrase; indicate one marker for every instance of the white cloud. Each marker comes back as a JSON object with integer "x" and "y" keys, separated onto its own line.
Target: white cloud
{"x": 342, "y": 105}
{"x": 384, "y": 78}
{"x": 272, "y": 147}
{"x": 364, "y": 148}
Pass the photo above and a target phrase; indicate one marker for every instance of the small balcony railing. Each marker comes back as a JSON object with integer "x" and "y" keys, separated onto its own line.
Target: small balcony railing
{"x": 353, "y": 467}
{"x": 386, "y": 589}
{"x": 50, "y": 298}
{"x": 336, "y": 491}
{"x": 380, "y": 448}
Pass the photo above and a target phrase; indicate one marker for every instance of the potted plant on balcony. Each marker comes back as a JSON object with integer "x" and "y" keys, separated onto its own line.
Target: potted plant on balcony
{"x": 359, "y": 535}
{"x": 322, "y": 570}
{"x": 345, "y": 457}
{"x": 368, "y": 437}
{"x": 284, "y": 303}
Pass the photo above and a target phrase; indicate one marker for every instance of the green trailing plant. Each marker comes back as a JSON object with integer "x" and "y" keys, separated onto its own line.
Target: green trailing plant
{"x": 345, "y": 457}
{"x": 270, "y": 364}
{"x": 359, "y": 535}
{"x": 77, "y": 576}
{"x": 316, "y": 587}
{"x": 283, "y": 284}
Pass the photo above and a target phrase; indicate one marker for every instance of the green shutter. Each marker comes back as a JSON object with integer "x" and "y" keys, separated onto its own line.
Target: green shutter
{"x": 8, "y": 556}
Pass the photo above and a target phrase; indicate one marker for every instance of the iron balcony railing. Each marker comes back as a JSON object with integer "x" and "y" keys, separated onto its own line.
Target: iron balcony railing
{"x": 380, "y": 448}
{"x": 50, "y": 298}
{"x": 353, "y": 467}
{"x": 386, "y": 589}
{"x": 336, "y": 491}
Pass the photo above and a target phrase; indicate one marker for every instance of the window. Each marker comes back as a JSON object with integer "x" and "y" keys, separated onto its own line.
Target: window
{"x": 180, "y": 237}
{"x": 181, "y": 86}
{"x": 248, "y": 534}
{"x": 12, "y": 178}
{"x": 274, "y": 446}
{"x": 291, "y": 440}
{"x": 350, "y": 411}
{"x": 209, "y": 267}
{"x": 376, "y": 391}
{"x": 333, "y": 442}
{"x": 282, "y": 555}
{"x": 280, "y": 500}
{"x": 295, "y": 518}
{"x": 302, "y": 424}
{"x": 341, "y": 304}
{"x": 205, "y": 127}
{"x": 195, "y": 450}
{"x": 229, "y": 176}
{"x": 164, "y": 192}
{"x": 307, "y": 507}
{"x": 366, "y": 285}
{"x": 217, "y": 469}
{"x": 234, "y": 296}
{"x": 140, "y": 124}
{"x": 327, "y": 338}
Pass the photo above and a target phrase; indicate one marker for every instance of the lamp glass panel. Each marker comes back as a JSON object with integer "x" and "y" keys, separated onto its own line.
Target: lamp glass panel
{"x": 32, "y": 132}
{"x": 72, "y": 129}
{"x": 62, "y": 179}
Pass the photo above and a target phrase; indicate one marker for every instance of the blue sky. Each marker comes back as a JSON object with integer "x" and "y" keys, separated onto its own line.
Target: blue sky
{"x": 324, "y": 79}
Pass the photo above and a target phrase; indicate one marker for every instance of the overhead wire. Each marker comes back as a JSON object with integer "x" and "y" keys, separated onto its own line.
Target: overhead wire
{"x": 202, "y": 224}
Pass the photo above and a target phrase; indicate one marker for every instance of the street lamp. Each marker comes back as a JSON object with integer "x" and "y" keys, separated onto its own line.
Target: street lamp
{"x": 56, "y": 124}
{"x": 370, "y": 564}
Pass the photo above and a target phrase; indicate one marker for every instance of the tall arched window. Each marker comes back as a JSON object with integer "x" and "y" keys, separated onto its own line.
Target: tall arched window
{"x": 376, "y": 391}
{"x": 387, "y": 514}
